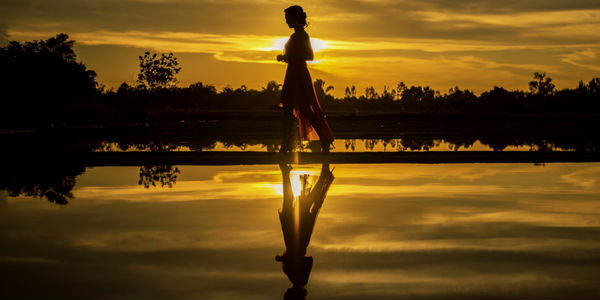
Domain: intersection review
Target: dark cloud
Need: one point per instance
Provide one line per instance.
(509, 6)
(188, 16)
(359, 18)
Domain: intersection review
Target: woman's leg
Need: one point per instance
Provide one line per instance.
(318, 121)
(288, 121)
(288, 193)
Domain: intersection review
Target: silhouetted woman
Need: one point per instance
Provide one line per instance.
(297, 223)
(298, 96)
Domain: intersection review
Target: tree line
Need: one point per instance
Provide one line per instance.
(45, 85)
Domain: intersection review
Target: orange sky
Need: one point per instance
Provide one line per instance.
(472, 44)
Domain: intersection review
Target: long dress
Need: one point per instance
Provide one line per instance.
(298, 91)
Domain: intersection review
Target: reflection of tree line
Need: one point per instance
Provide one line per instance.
(495, 143)
(51, 182)
(56, 182)
(165, 175)
(402, 143)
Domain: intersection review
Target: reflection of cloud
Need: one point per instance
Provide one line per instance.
(582, 178)
(32, 260)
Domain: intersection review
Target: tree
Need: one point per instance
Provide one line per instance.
(594, 87)
(347, 93)
(157, 72)
(204, 89)
(400, 88)
(541, 85)
(370, 93)
(39, 79)
(272, 87)
(387, 94)
(321, 90)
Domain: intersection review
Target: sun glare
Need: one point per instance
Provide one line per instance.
(279, 43)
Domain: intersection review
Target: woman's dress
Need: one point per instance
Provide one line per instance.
(298, 91)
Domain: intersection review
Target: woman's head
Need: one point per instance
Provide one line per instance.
(295, 16)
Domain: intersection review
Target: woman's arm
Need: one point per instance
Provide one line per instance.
(298, 48)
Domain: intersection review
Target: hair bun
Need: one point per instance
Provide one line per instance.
(297, 12)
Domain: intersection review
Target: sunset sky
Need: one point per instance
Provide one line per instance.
(440, 43)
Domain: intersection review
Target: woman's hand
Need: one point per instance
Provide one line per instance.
(280, 57)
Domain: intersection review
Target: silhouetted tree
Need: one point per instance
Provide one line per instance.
(460, 100)
(400, 89)
(370, 93)
(415, 96)
(203, 89)
(39, 79)
(272, 87)
(347, 93)
(157, 72)
(322, 91)
(594, 88)
(387, 95)
(541, 85)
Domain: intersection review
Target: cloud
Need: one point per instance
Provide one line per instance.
(3, 35)
(586, 58)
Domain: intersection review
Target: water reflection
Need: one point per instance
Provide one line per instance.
(174, 140)
(52, 182)
(389, 231)
(165, 175)
(55, 182)
(297, 216)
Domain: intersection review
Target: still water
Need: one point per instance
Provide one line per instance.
(382, 231)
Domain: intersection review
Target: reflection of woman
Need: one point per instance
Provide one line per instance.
(297, 223)
(298, 95)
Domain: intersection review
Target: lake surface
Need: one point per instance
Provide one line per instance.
(388, 231)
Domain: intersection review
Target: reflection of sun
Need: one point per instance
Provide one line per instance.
(295, 179)
(279, 43)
